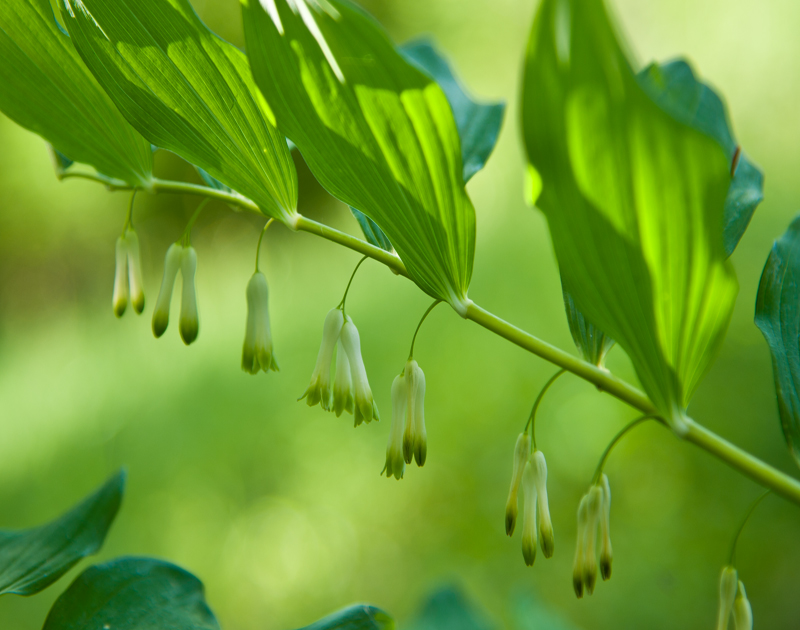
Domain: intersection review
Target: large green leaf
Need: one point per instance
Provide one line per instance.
(45, 87)
(675, 88)
(478, 123)
(358, 617)
(376, 132)
(32, 559)
(188, 91)
(132, 594)
(634, 199)
(778, 317)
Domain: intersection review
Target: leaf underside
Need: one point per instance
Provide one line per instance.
(592, 343)
(132, 594)
(778, 318)
(188, 91)
(376, 132)
(45, 87)
(32, 559)
(634, 199)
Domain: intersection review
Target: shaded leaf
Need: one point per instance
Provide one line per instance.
(32, 559)
(132, 594)
(634, 199)
(778, 317)
(372, 232)
(449, 609)
(376, 132)
(358, 617)
(676, 89)
(45, 87)
(187, 90)
(592, 343)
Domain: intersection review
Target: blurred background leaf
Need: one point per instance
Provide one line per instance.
(32, 559)
(280, 508)
(358, 617)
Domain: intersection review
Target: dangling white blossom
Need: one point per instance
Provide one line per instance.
(120, 298)
(189, 324)
(395, 462)
(521, 453)
(319, 391)
(728, 583)
(135, 271)
(342, 382)
(580, 541)
(742, 612)
(172, 265)
(546, 535)
(364, 407)
(594, 506)
(420, 433)
(529, 533)
(257, 349)
(606, 554)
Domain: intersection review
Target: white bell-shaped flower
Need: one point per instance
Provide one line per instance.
(135, 271)
(529, 532)
(257, 351)
(319, 391)
(606, 554)
(342, 382)
(522, 450)
(364, 407)
(420, 433)
(728, 583)
(172, 265)
(120, 298)
(188, 323)
(594, 506)
(742, 611)
(395, 462)
(546, 535)
(580, 541)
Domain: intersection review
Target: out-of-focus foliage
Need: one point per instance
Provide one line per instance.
(279, 508)
(633, 199)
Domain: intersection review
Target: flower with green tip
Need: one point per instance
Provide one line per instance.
(120, 297)
(319, 390)
(257, 351)
(364, 407)
(529, 533)
(135, 271)
(188, 323)
(742, 612)
(521, 452)
(595, 507)
(728, 583)
(395, 461)
(580, 540)
(172, 265)
(606, 554)
(546, 534)
(342, 382)
(415, 437)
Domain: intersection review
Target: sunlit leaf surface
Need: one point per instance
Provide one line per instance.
(634, 199)
(32, 559)
(188, 91)
(45, 87)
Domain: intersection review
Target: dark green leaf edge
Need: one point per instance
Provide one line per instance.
(356, 617)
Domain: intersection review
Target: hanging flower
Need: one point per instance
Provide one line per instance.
(606, 554)
(319, 391)
(742, 612)
(546, 535)
(172, 265)
(120, 298)
(188, 323)
(364, 407)
(728, 583)
(395, 462)
(135, 271)
(342, 382)
(521, 452)
(257, 349)
(415, 437)
(529, 534)
(580, 541)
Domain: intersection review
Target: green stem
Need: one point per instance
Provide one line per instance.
(748, 514)
(349, 282)
(537, 402)
(129, 217)
(759, 471)
(187, 233)
(414, 338)
(261, 238)
(599, 470)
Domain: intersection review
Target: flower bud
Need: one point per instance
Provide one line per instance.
(546, 535)
(529, 537)
(742, 612)
(521, 452)
(411, 388)
(319, 391)
(727, 592)
(364, 407)
(135, 271)
(606, 555)
(395, 463)
(172, 264)
(420, 434)
(188, 323)
(580, 538)
(257, 349)
(342, 382)
(594, 507)
(120, 297)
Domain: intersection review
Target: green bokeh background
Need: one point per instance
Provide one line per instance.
(280, 508)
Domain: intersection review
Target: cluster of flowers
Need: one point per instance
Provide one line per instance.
(180, 258)
(594, 511)
(408, 439)
(733, 600)
(128, 275)
(530, 471)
